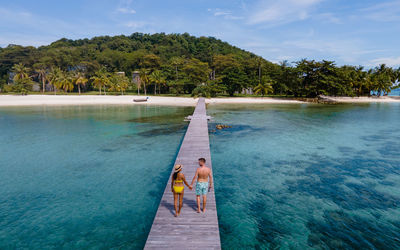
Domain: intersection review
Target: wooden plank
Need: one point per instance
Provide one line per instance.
(190, 230)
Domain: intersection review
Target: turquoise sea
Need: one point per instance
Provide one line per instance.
(287, 176)
(308, 176)
(84, 177)
(395, 92)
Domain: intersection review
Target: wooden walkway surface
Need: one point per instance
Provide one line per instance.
(190, 230)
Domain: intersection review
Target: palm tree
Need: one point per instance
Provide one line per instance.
(264, 87)
(176, 61)
(66, 82)
(101, 79)
(54, 78)
(119, 83)
(123, 84)
(157, 78)
(259, 64)
(42, 75)
(97, 82)
(80, 80)
(21, 72)
(144, 78)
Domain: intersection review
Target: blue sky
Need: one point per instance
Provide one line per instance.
(359, 32)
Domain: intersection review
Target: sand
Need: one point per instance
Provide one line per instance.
(31, 100)
(382, 99)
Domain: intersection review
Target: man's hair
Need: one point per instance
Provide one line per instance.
(202, 159)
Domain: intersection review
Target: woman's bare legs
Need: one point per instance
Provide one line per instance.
(176, 203)
(180, 202)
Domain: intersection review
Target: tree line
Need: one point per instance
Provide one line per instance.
(178, 64)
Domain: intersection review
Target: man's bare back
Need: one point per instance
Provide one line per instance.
(203, 173)
(204, 183)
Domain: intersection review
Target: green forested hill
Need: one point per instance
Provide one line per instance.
(178, 63)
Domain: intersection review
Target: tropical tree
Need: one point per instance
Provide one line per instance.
(101, 79)
(264, 87)
(42, 75)
(157, 78)
(20, 72)
(54, 78)
(210, 89)
(119, 83)
(176, 87)
(80, 80)
(144, 78)
(177, 61)
(235, 80)
(97, 82)
(23, 85)
(66, 81)
(222, 64)
(384, 78)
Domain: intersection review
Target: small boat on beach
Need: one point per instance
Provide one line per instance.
(140, 99)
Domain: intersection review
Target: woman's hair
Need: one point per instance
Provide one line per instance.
(175, 176)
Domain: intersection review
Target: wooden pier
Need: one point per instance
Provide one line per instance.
(190, 230)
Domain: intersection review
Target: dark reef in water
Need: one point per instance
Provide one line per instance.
(330, 182)
(164, 118)
(340, 230)
(163, 130)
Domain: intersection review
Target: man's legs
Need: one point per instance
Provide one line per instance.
(198, 203)
(204, 203)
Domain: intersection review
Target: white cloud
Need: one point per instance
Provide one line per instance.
(226, 14)
(389, 61)
(330, 18)
(222, 13)
(30, 28)
(383, 12)
(15, 16)
(281, 11)
(347, 51)
(126, 10)
(124, 7)
(135, 24)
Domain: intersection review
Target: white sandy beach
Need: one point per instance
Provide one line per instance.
(32, 100)
(383, 99)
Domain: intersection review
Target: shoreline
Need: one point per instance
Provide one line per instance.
(67, 100)
(365, 99)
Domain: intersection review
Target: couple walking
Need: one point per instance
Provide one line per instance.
(202, 187)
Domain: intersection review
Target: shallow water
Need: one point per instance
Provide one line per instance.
(287, 176)
(84, 177)
(307, 176)
(395, 92)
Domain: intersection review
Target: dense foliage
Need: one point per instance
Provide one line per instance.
(178, 64)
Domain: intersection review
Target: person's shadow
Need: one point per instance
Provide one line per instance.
(188, 202)
(169, 206)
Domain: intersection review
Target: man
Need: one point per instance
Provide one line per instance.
(202, 174)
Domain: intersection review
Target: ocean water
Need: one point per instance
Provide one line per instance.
(84, 177)
(307, 176)
(287, 176)
(395, 92)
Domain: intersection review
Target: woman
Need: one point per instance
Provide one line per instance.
(177, 187)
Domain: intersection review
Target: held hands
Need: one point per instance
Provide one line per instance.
(190, 187)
